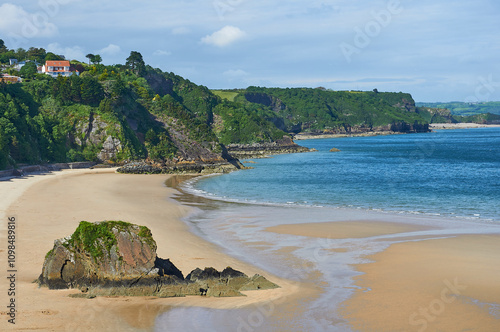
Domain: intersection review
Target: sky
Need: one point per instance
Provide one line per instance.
(437, 50)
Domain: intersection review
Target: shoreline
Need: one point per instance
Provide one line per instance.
(48, 207)
(301, 137)
(445, 126)
(432, 126)
(324, 262)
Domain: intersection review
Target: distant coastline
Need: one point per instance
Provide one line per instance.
(432, 126)
(299, 137)
(440, 126)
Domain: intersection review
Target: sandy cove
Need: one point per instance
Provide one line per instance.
(434, 284)
(50, 206)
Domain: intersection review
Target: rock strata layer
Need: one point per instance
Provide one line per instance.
(118, 258)
(144, 167)
(262, 150)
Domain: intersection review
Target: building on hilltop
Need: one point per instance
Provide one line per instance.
(58, 67)
(15, 64)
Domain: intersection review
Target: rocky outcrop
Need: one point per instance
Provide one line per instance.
(119, 258)
(96, 132)
(399, 127)
(148, 167)
(159, 84)
(262, 150)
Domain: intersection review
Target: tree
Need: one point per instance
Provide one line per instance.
(37, 54)
(3, 48)
(29, 70)
(96, 59)
(53, 57)
(21, 54)
(136, 63)
(90, 56)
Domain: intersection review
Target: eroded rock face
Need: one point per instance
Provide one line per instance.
(119, 258)
(262, 150)
(107, 252)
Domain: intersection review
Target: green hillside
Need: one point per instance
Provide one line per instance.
(318, 110)
(466, 109)
(132, 111)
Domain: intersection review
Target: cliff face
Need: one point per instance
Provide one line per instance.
(119, 258)
(276, 104)
(315, 111)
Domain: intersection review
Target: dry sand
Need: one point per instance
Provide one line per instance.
(48, 207)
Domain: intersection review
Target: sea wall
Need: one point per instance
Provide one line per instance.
(30, 169)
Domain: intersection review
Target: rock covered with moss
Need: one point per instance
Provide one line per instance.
(109, 252)
(119, 258)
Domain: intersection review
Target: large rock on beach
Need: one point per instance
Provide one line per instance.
(119, 258)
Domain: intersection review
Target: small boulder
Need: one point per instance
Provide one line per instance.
(334, 150)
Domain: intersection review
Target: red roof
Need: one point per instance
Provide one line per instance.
(58, 63)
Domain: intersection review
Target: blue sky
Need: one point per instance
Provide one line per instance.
(437, 50)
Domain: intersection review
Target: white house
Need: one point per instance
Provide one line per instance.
(15, 64)
(58, 67)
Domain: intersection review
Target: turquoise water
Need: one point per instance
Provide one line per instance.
(448, 180)
(450, 173)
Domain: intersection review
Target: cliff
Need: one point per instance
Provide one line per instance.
(119, 258)
(113, 114)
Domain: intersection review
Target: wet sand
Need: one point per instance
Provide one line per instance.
(433, 285)
(346, 229)
(48, 207)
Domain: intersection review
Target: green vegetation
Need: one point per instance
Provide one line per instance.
(466, 109)
(96, 237)
(316, 110)
(92, 237)
(133, 111)
(226, 94)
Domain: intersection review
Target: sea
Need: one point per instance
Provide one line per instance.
(446, 178)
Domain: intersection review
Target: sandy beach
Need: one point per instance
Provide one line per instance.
(50, 206)
(434, 285)
(425, 279)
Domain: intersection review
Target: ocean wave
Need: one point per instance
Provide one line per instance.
(191, 187)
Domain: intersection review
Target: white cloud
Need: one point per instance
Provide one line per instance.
(181, 31)
(224, 36)
(232, 73)
(20, 25)
(70, 53)
(161, 53)
(111, 49)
